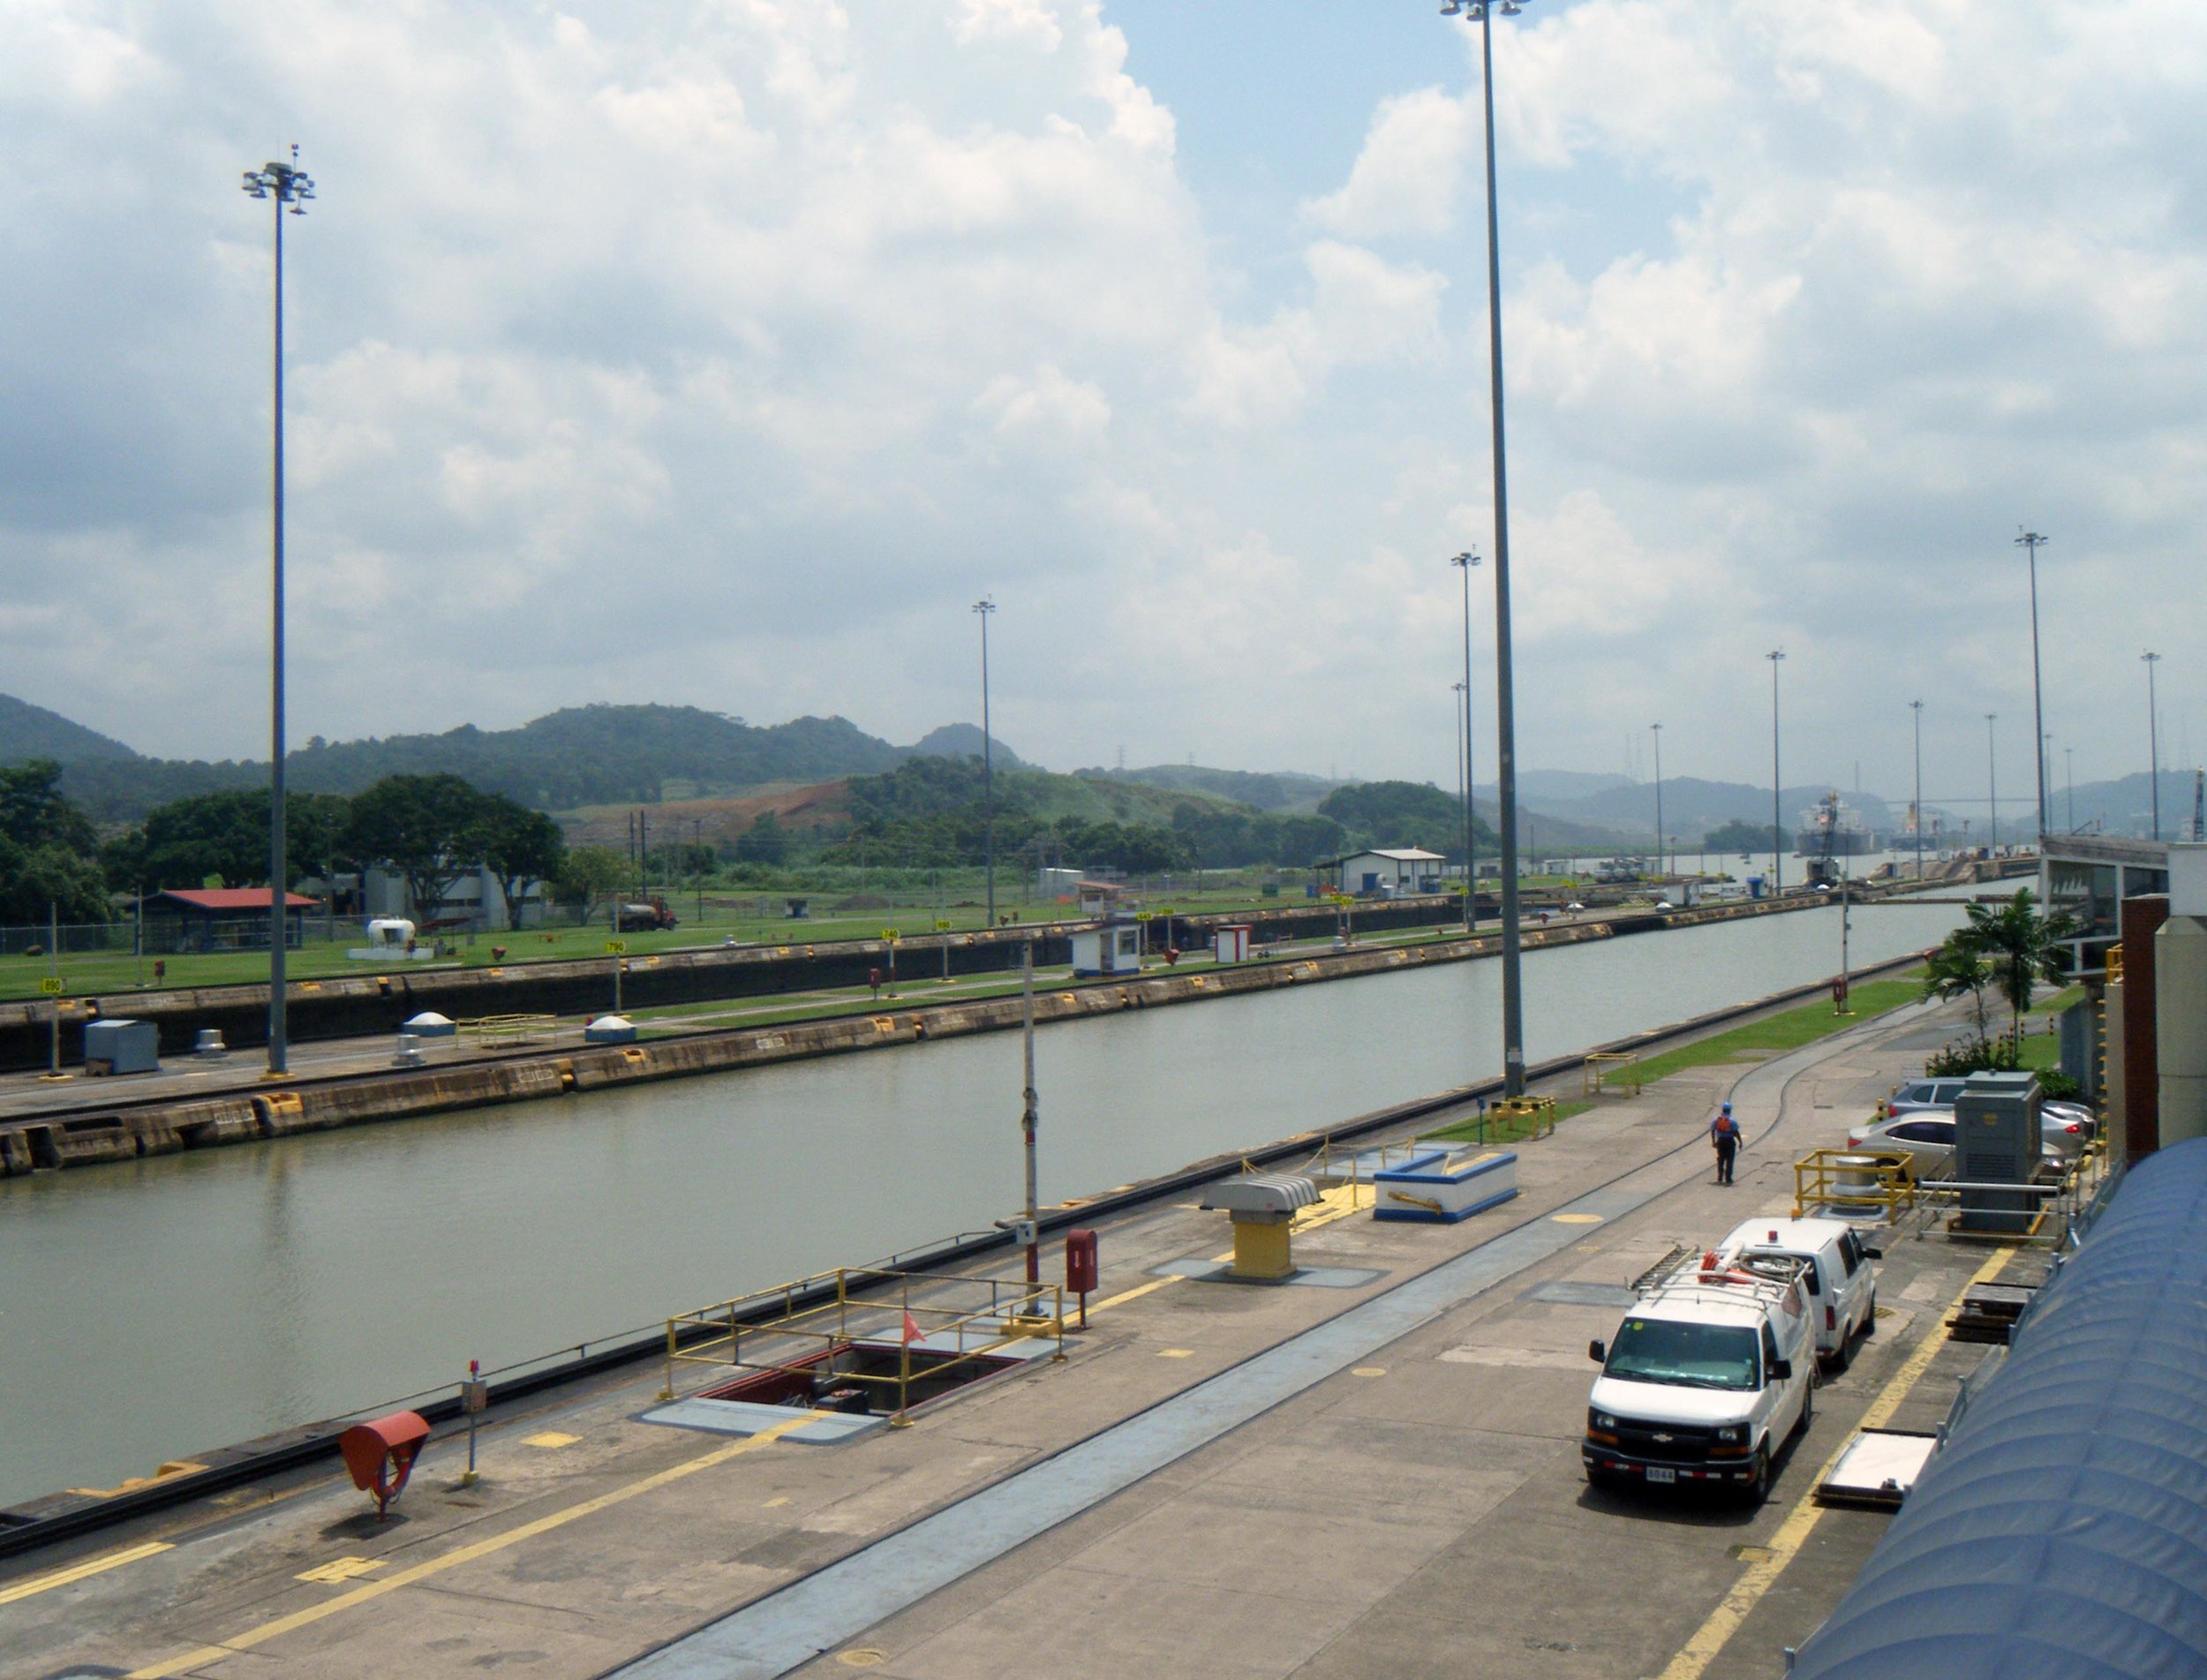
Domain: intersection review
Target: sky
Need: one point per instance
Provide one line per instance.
(725, 353)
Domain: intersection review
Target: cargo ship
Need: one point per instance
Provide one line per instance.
(1832, 828)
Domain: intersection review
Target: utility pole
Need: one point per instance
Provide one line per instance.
(1505, 691)
(1028, 1115)
(1463, 563)
(984, 607)
(2153, 736)
(1656, 729)
(1992, 785)
(2030, 541)
(1777, 784)
(282, 184)
(1916, 708)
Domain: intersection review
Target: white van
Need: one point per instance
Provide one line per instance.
(1843, 1284)
(1710, 1373)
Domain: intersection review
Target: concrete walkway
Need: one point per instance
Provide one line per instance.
(1380, 1480)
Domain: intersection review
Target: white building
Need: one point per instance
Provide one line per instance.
(477, 895)
(1386, 873)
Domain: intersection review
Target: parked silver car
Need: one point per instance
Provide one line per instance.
(1922, 1096)
(1928, 1135)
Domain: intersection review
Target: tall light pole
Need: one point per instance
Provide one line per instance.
(2068, 770)
(1777, 783)
(1463, 705)
(1463, 563)
(1991, 784)
(2153, 736)
(1657, 730)
(285, 185)
(1505, 703)
(1916, 708)
(982, 608)
(2030, 541)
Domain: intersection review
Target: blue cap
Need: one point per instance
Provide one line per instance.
(1728, 1108)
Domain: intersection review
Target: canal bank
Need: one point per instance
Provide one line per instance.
(508, 1235)
(106, 1132)
(377, 1002)
(1337, 1526)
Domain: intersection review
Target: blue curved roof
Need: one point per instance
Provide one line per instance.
(2061, 1533)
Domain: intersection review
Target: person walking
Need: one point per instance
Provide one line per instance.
(1724, 1135)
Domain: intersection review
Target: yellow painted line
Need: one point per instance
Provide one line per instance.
(1369, 1370)
(1576, 1218)
(33, 1585)
(1176, 1353)
(1724, 1621)
(422, 1572)
(1137, 1293)
(549, 1440)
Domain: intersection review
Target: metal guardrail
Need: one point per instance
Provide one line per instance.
(1879, 1179)
(492, 1031)
(993, 1310)
(1606, 1070)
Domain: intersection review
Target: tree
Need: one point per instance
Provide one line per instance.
(420, 826)
(1401, 813)
(1737, 836)
(47, 850)
(764, 841)
(2022, 947)
(587, 873)
(33, 813)
(1958, 970)
(516, 845)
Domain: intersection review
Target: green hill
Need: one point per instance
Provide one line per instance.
(29, 732)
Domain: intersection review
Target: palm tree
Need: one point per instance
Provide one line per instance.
(1958, 969)
(2021, 946)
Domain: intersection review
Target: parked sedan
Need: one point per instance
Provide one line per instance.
(1928, 1137)
(1929, 1096)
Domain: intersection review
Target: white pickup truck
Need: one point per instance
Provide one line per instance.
(1710, 1373)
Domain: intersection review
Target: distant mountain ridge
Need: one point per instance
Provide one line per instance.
(32, 732)
(593, 754)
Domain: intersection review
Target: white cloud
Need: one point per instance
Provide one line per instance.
(1408, 177)
(804, 322)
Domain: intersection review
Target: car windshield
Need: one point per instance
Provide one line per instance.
(1695, 1356)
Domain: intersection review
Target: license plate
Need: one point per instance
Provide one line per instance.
(1655, 1474)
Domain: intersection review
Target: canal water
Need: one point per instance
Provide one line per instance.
(192, 1300)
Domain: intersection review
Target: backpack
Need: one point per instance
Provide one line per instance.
(1725, 1126)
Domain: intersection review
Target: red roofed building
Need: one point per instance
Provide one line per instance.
(218, 918)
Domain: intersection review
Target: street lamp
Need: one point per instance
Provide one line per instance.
(2030, 541)
(1505, 704)
(1992, 786)
(2153, 736)
(1462, 707)
(2068, 774)
(982, 608)
(1463, 563)
(1917, 708)
(1658, 730)
(283, 186)
(1777, 783)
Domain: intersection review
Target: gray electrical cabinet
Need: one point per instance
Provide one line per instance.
(1996, 1142)
(122, 1047)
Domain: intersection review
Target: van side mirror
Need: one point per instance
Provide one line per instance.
(1868, 1253)
(1782, 1370)
(1597, 1352)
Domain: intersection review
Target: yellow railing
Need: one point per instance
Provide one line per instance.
(798, 1329)
(491, 1031)
(1606, 1070)
(1868, 1179)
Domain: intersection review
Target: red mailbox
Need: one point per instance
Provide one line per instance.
(380, 1454)
(1081, 1267)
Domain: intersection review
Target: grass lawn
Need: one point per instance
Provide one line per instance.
(1496, 1128)
(1786, 1031)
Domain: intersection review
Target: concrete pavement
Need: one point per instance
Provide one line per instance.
(1414, 1506)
